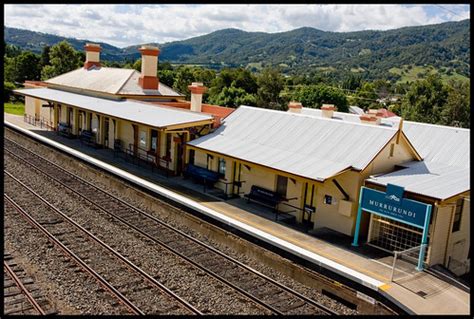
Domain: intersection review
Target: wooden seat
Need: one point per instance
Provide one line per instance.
(201, 174)
(264, 196)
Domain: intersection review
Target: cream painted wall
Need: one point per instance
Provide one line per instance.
(46, 113)
(459, 242)
(200, 159)
(293, 190)
(439, 234)
(327, 215)
(94, 124)
(64, 110)
(111, 133)
(30, 106)
(126, 133)
(149, 65)
(383, 162)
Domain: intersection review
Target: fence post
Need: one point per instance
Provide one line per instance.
(395, 255)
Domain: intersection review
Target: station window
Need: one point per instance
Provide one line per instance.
(457, 215)
(221, 167)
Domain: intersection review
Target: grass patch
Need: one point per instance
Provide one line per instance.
(16, 108)
(416, 72)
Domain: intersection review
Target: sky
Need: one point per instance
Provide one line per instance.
(125, 25)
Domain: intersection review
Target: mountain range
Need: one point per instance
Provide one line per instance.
(445, 45)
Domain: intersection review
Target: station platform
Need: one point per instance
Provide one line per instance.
(415, 292)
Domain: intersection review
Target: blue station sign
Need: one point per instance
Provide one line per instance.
(391, 204)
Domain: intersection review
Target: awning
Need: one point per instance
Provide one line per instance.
(134, 111)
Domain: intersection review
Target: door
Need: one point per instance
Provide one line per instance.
(179, 155)
(282, 184)
(105, 132)
(135, 139)
(308, 209)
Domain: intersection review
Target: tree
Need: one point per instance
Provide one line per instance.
(45, 56)
(8, 88)
(351, 82)
(11, 50)
(233, 97)
(137, 65)
(183, 78)
(270, 83)
(314, 96)
(63, 58)
(366, 97)
(166, 77)
(456, 111)
(27, 66)
(425, 100)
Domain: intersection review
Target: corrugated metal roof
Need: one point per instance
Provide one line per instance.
(307, 146)
(440, 144)
(139, 112)
(109, 80)
(435, 143)
(131, 87)
(427, 178)
(355, 110)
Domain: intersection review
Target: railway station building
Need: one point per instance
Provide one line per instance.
(316, 166)
(123, 109)
(318, 161)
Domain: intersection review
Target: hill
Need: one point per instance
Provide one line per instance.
(370, 53)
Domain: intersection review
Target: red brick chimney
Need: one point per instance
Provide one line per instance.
(92, 55)
(148, 79)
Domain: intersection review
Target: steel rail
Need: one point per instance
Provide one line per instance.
(110, 249)
(77, 259)
(208, 247)
(22, 288)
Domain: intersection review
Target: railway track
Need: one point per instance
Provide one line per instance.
(20, 295)
(254, 285)
(133, 287)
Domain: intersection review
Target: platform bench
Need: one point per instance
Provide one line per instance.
(64, 130)
(87, 137)
(202, 175)
(264, 196)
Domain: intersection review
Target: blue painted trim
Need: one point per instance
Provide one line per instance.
(424, 238)
(359, 214)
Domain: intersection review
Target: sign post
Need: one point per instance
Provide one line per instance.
(359, 213)
(392, 205)
(421, 257)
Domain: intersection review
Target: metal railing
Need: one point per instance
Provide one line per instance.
(400, 253)
(41, 122)
(137, 155)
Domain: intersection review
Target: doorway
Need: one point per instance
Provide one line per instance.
(282, 185)
(106, 132)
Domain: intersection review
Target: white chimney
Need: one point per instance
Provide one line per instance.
(92, 55)
(327, 110)
(197, 89)
(148, 79)
(295, 107)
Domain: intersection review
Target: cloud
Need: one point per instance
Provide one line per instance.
(124, 25)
